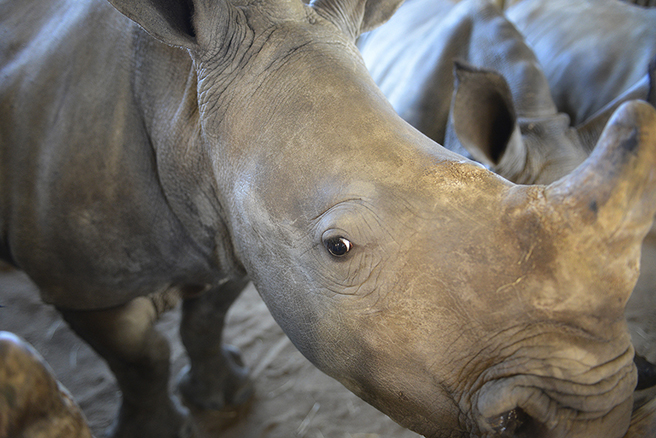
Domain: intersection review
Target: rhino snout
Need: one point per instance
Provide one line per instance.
(546, 406)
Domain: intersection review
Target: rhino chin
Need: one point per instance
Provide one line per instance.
(519, 407)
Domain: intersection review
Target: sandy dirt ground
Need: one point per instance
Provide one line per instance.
(293, 399)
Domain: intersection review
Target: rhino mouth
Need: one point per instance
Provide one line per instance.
(549, 406)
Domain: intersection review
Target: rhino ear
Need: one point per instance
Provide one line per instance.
(175, 22)
(167, 20)
(483, 119)
(356, 16)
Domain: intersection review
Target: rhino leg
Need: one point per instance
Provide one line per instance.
(139, 358)
(216, 379)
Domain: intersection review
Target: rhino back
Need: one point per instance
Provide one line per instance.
(592, 51)
(81, 209)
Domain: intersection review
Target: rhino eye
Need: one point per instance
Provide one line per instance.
(338, 246)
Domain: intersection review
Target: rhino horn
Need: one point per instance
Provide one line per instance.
(615, 186)
(609, 201)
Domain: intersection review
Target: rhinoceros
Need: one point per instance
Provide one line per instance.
(187, 147)
(592, 51)
(33, 404)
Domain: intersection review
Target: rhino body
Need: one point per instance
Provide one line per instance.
(218, 142)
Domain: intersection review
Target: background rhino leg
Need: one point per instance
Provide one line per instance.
(139, 358)
(216, 378)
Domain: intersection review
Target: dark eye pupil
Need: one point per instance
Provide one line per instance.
(338, 246)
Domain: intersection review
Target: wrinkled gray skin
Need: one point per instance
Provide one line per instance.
(253, 144)
(33, 404)
(501, 112)
(592, 51)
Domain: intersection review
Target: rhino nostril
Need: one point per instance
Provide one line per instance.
(505, 425)
(517, 424)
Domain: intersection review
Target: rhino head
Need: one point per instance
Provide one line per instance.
(454, 301)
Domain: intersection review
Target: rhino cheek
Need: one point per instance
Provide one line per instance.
(384, 372)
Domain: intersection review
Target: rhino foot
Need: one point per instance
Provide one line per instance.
(222, 387)
(173, 422)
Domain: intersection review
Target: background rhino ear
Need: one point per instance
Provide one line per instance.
(483, 119)
(170, 21)
(356, 16)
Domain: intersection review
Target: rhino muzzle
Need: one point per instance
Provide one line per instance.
(539, 406)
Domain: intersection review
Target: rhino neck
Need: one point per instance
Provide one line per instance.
(166, 87)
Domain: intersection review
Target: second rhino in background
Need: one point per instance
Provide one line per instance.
(499, 109)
